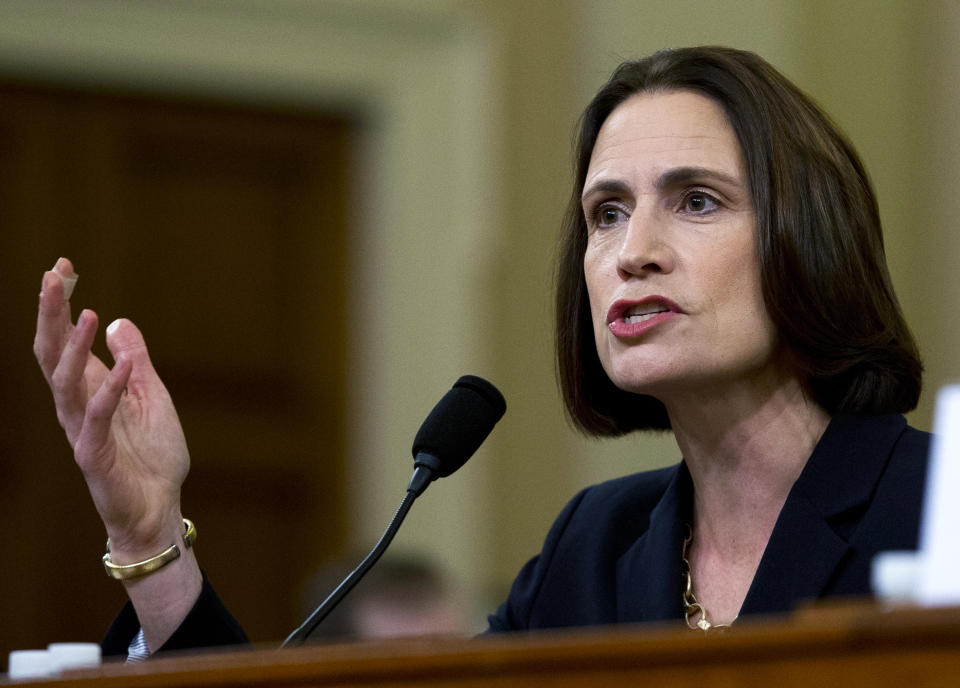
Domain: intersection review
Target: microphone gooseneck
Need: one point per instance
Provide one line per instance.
(451, 433)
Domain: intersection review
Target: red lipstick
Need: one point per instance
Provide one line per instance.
(629, 318)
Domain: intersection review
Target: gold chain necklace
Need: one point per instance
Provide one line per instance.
(691, 607)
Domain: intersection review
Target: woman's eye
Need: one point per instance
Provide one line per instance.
(608, 215)
(699, 202)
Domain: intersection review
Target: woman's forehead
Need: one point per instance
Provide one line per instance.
(651, 132)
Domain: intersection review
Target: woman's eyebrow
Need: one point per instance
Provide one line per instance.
(605, 186)
(680, 176)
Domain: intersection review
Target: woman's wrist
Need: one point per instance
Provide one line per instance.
(151, 564)
(146, 539)
(164, 598)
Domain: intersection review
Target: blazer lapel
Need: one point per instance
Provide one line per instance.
(648, 573)
(821, 512)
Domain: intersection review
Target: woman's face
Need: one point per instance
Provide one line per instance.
(671, 261)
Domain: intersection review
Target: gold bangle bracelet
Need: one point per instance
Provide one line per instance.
(148, 566)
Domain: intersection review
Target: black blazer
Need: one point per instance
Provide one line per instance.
(613, 554)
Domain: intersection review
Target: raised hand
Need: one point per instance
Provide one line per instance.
(127, 441)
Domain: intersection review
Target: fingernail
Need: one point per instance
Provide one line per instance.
(112, 327)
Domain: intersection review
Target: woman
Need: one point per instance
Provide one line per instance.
(723, 276)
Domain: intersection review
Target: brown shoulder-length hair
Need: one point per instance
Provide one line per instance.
(822, 265)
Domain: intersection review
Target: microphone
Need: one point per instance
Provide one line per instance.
(454, 430)
(451, 433)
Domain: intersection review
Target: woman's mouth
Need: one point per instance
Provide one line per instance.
(629, 318)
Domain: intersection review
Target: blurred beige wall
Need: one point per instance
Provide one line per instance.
(468, 111)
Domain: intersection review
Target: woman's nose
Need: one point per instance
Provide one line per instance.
(644, 249)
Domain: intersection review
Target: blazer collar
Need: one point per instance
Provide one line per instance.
(648, 573)
(821, 511)
(837, 481)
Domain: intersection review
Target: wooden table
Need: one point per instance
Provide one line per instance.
(849, 647)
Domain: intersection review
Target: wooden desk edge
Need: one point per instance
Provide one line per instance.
(807, 636)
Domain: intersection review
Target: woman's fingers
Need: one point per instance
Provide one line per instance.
(68, 380)
(53, 323)
(125, 341)
(63, 350)
(94, 435)
(53, 318)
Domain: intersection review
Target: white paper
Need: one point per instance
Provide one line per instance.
(940, 527)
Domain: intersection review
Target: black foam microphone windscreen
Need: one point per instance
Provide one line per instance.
(459, 423)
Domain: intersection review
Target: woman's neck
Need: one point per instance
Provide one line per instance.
(745, 448)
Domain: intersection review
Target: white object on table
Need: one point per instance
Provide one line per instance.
(30, 664)
(74, 655)
(939, 576)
